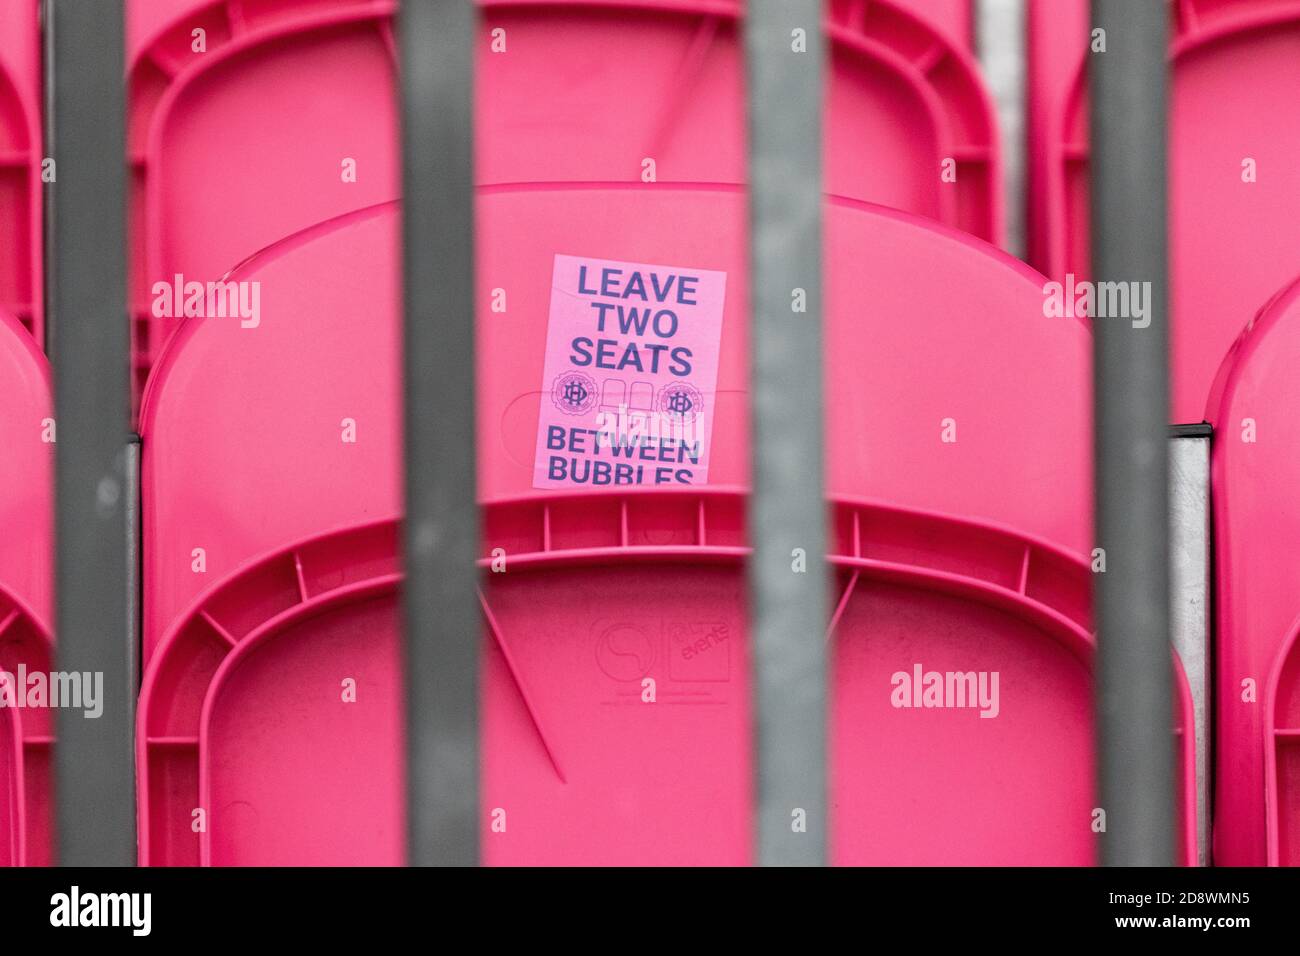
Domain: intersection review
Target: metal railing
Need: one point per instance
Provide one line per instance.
(1131, 400)
(787, 511)
(94, 759)
(95, 768)
(441, 531)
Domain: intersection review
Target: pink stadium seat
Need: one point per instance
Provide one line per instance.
(954, 18)
(1234, 186)
(271, 700)
(242, 117)
(253, 119)
(20, 165)
(26, 576)
(1256, 520)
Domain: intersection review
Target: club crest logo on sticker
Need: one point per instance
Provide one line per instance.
(681, 401)
(574, 393)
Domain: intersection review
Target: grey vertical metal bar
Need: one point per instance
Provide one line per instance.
(94, 758)
(1128, 124)
(1190, 584)
(787, 517)
(441, 534)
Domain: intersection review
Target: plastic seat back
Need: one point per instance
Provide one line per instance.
(1256, 467)
(1234, 188)
(273, 449)
(27, 434)
(254, 119)
(21, 165)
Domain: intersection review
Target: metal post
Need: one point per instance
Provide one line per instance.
(441, 534)
(1128, 122)
(94, 758)
(787, 574)
(1191, 586)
